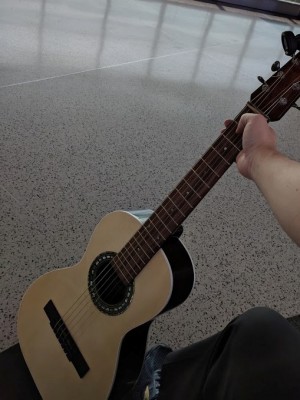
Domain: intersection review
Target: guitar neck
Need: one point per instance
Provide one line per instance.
(180, 203)
(272, 99)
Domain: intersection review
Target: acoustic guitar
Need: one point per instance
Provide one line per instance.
(83, 329)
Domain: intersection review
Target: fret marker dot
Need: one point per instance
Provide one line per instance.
(225, 148)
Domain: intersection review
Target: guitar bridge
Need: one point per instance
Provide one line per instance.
(66, 340)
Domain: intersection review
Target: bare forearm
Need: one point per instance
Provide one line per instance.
(278, 178)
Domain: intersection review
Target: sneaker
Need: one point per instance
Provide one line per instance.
(148, 383)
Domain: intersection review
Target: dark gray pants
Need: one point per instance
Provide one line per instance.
(256, 357)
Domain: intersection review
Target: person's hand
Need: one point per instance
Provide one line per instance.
(259, 141)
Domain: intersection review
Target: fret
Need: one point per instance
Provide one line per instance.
(121, 269)
(224, 144)
(130, 257)
(184, 198)
(132, 260)
(145, 241)
(165, 218)
(157, 230)
(211, 168)
(195, 185)
(161, 220)
(138, 247)
(207, 176)
(122, 272)
(122, 254)
(173, 211)
(220, 155)
(169, 214)
(228, 152)
(188, 189)
(185, 191)
(193, 170)
(149, 234)
(231, 142)
(198, 195)
(222, 147)
(177, 208)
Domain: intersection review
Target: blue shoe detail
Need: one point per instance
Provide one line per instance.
(150, 373)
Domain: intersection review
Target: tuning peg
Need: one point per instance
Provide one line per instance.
(261, 79)
(290, 43)
(275, 66)
(296, 106)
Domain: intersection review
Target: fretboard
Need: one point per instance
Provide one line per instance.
(166, 219)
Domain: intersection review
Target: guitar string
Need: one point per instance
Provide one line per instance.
(279, 79)
(226, 140)
(83, 319)
(121, 259)
(260, 95)
(225, 143)
(272, 107)
(87, 316)
(268, 110)
(171, 216)
(284, 91)
(134, 260)
(146, 253)
(102, 278)
(125, 260)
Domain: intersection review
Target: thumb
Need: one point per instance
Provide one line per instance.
(241, 162)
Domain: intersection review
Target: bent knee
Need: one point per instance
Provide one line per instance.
(262, 321)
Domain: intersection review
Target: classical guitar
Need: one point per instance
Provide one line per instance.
(83, 330)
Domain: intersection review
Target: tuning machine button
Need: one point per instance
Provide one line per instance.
(261, 79)
(275, 66)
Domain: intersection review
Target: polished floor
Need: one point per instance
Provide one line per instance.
(104, 105)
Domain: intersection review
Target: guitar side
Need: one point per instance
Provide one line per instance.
(98, 335)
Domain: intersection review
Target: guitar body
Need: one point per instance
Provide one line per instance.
(103, 338)
(83, 330)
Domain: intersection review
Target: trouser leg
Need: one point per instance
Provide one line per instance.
(256, 357)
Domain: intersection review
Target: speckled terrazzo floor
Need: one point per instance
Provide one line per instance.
(104, 105)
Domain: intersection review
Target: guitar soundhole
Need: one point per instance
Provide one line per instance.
(108, 292)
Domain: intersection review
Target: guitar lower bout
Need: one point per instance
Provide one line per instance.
(76, 324)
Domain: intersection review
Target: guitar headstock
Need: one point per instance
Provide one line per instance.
(280, 92)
